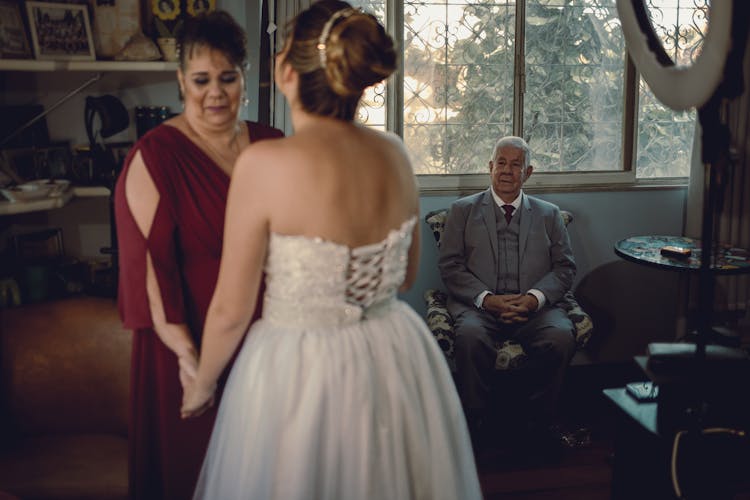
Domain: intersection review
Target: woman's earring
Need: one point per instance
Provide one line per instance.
(245, 100)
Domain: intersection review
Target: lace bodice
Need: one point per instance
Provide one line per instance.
(311, 281)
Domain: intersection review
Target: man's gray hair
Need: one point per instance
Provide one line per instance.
(515, 142)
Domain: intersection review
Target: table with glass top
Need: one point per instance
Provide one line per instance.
(645, 439)
(647, 250)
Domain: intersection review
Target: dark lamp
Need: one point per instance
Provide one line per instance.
(113, 116)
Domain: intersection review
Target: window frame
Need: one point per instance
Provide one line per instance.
(450, 183)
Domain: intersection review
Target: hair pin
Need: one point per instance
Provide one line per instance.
(326, 31)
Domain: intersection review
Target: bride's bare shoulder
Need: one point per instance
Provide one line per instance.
(261, 152)
(269, 161)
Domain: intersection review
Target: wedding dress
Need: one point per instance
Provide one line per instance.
(339, 390)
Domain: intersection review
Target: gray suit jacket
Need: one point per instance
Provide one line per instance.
(469, 250)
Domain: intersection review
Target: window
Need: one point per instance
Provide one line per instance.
(665, 137)
(551, 71)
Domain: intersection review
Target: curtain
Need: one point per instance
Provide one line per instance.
(280, 13)
(732, 292)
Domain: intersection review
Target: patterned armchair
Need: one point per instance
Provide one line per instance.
(510, 354)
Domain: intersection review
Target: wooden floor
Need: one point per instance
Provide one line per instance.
(583, 473)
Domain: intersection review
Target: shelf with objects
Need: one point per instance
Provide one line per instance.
(50, 200)
(107, 36)
(38, 174)
(49, 178)
(70, 112)
(52, 178)
(91, 66)
(26, 134)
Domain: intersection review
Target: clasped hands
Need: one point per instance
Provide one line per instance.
(511, 308)
(195, 399)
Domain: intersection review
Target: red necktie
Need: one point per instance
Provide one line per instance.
(508, 212)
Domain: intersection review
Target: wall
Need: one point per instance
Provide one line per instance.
(631, 304)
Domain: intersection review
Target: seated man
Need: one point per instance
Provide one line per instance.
(506, 260)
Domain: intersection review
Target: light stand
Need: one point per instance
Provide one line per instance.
(704, 389)
(715, 155)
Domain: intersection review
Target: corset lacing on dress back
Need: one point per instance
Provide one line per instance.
(315, 282)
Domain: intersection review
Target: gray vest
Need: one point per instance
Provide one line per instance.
(507, 249)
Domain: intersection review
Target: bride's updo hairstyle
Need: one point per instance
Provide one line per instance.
(338, 52)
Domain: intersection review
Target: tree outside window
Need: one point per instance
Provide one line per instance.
(464, 85)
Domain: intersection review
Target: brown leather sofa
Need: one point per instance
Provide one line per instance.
(64, 381)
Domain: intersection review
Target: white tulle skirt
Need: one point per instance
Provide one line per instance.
(362, 411)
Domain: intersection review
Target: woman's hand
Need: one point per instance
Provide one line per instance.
(188, 363)
(197, 399)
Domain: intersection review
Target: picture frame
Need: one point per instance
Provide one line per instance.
(114, 24)
(14, 43)
(60, 31)
(52, 162)
(166, 10)
(198, 7)
(45, 162)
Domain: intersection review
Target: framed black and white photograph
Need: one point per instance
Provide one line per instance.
(13, 41)
(60, 31)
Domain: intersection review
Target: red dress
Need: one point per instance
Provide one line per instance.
(166, 452)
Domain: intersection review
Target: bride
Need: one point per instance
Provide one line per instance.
(339, 390)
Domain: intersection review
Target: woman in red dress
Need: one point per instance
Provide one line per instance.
(169, 205)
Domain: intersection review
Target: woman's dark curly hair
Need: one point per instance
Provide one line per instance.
(216, 30)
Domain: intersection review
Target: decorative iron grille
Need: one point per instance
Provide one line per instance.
(459, 94)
